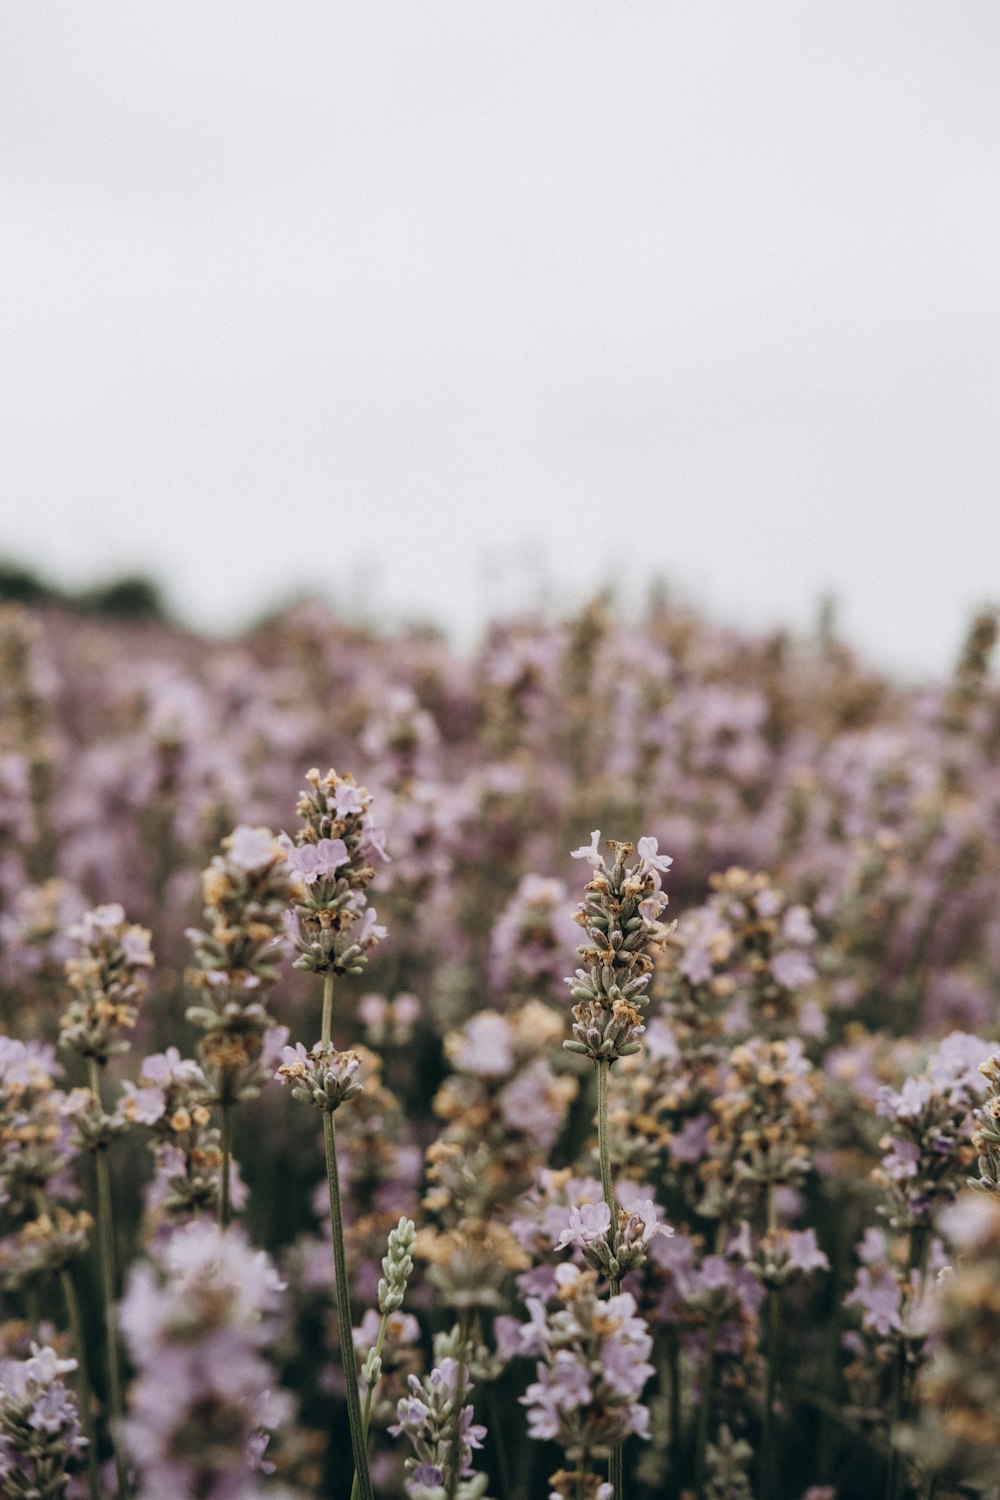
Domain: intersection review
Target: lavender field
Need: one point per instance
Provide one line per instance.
(589, 1088)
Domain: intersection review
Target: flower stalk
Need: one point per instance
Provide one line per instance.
(106, 1255)
(359, 1444)
(86, 1401)
(616, 1473)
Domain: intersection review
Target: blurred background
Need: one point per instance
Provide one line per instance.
(448, 309)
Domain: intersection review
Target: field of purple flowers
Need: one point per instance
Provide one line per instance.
(383, 1131)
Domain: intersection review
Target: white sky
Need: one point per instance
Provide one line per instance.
(433, 305)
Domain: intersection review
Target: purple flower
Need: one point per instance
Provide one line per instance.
(792, 968)
(251, 848)
(135, 944)
(908, 1104)
(196, 1321)
(487, 1047)
(40, 1434)
(954, 1067)
(145, 1105)
(587, 1225)
(347, 799)
(797, 927)
(589, 851)
(879, 1300)
(426, 1416)
(319, 861)
(650, 861)
(804, 1253)
(570, 1380)
(371, 932)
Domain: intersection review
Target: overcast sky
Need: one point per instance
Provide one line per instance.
(435, 305)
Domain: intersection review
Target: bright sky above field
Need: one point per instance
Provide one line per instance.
(442, 306)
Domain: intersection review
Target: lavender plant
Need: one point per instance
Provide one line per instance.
(837, 879)
(246, 891)
(108, 981)
(333, 930)
(41, 1440)
(203, 1402)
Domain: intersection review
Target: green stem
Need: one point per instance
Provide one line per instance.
(455, 1452)
(326, 1030)
(673, 1355)
(616, 1472)
(768, 1456)
(86, 1394)
(603, 1070)
(367, 1413)
(226, 1137)
(705, 1407)
(106, 1242)
(493, 1409)
(917, 1257)
(344, 1321)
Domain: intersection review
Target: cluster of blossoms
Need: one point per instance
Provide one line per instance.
(612, 1252)
(620, 915)
(986, 1135)
(196, 1319)
(927, 1155)
(709, 1303)
(533, 939)
(172, 1097)
(331, 927)
(108, 982)
(958, 1436)
(41, 1441)
(502, 1109)
(321, 1075)
(444, 1435)
(39, 1234)
(765, 1120)
(743, 963)
(246, 890)
(930, 1145)
(593, 1363)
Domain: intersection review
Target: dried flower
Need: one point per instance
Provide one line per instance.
(322, 1076)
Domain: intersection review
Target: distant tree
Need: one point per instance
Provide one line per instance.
(131, 597)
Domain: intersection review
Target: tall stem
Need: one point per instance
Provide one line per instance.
(705, 1407)
(616, 1471)
(106, 1242)
(226, 1138)
(344, 1321)
(768, 1456)
(83, 1374)
(674, 1358)
(326, 1027)
(366, 1415)
(603, 1069)
(917, 1258)
(461, 1388)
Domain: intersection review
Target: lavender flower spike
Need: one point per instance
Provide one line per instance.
(620, 916)
(41, 1441)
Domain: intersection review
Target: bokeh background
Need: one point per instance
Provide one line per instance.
(443, 309)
